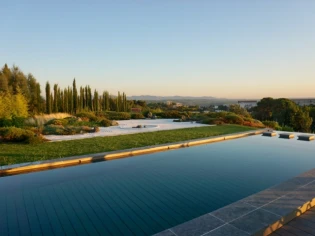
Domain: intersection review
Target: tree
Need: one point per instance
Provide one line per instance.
(48, 102)
(237, 109)
(55, 106)
(264, 108)
(75, 96)
(4, 87)
(302, 121)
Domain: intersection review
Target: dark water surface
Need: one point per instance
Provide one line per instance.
(146, 194)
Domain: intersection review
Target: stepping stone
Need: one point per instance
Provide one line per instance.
(269, 134)
(306, 137)
(286, 135)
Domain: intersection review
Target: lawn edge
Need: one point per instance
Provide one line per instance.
(106, 156)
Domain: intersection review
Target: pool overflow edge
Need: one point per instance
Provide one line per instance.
(106, 156)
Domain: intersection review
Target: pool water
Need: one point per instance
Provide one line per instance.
(146, 194)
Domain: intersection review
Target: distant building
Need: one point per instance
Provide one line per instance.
(247, 104)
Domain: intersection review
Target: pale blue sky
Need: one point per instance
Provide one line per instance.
(223, 48)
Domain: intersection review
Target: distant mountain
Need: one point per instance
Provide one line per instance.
(163, 98)
(186, 100)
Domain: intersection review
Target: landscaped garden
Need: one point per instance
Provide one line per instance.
(12, 153)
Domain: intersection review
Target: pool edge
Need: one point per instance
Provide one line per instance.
(106, 156)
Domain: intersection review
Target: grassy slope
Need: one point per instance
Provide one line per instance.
(11, 153)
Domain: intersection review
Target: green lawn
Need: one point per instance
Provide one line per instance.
(12, 153)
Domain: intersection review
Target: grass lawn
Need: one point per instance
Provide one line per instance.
(13, 153)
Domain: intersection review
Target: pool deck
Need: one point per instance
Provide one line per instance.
(259, 214)
(303, 225)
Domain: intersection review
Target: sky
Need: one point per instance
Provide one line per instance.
(225, 48)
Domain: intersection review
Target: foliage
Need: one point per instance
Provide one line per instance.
(40, 120)
(287, 128)
(105, 122)
(58, 122)
(112, 115)
(15, 121)
(15, 153)
(285, 112)
(12, 105)
(68, 130)
(137, 116)
(237, 109)
(13, 134)
(90, 115)
(272, 124)
(171, 114)
(233, 119)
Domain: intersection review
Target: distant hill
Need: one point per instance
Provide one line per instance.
(159, 98)
(186, 100)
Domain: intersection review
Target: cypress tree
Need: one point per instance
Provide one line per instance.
(75, 96)
(66, 100)
(55, 106)
(48, 103)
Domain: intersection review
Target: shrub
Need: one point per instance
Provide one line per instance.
(112, 115)
(170, 114)
(272, 124)
(233, 119)
(105, 122)
(212, 121)
(62, 122)
(137, 116)
(54, 130)
(13, 134)
(89, 115)
(287, 128)
(14, 121)
(68, 130)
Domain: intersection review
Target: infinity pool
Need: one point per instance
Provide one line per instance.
(146, 194)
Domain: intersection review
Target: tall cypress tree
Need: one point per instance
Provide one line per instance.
(55, 106)
(48, 102)
(75, 96)
(66, 101)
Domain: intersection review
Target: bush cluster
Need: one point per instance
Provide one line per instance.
(137, 116)
(88, 116)
(112, 115)
(13, 134)
(272, 124)
(14, 121)
(68, 130)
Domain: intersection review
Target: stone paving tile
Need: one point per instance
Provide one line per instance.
(255, 221)
(271, 194)
(232, 211)
(227, 230)
(262, 198)
(285, 205)
(165, 233)
(198, 226)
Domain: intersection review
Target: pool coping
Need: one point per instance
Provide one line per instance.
(111, 155)
(259, 214)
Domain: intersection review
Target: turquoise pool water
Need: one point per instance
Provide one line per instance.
(146, 194)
